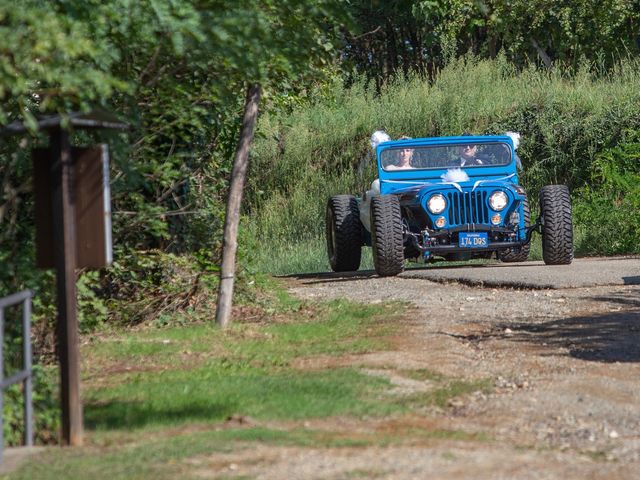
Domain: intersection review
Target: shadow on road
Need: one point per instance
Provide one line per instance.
(621, 298)
(331, 277)
(525, 266)
(610, 337)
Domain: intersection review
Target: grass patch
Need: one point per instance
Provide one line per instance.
(158, 458)
(309, 256)
(423, 374)
(335, 328)
(155, 378)
(362, 473)
(213, 394)
(441, 396)
(172, 455)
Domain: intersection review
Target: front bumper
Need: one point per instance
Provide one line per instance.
(446, 240)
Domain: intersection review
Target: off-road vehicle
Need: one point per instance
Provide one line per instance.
(455, 198)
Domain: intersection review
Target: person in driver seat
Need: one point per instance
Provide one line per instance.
(468, 155)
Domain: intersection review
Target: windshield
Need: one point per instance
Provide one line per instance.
(446, 156)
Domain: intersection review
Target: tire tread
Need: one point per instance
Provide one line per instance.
(348, 233)
(557, 228)
(387, 236)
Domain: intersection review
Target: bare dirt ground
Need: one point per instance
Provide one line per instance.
(563, 365)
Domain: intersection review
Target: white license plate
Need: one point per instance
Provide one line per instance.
(473, 240)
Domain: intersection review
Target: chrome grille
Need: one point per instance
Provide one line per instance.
(467, 207)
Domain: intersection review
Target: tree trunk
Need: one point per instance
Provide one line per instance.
(238, 174)
(543, 55)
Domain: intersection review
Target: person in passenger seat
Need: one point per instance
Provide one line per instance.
(404, 156)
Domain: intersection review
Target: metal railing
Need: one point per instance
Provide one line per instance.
(23, 375)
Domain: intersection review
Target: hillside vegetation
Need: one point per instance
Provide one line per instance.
(579, 129)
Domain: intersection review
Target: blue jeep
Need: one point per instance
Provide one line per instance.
(449, 197)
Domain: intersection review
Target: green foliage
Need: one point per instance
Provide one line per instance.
(390, 38)
(46, 410)
(606, 208)
(177, 71)
(564, 31)
(92, 308)
(154, 286)
(49, 61)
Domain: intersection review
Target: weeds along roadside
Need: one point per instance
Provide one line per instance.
(567, 122)
(169, 390)
(142, 289)
(157, 400)
(270, 331)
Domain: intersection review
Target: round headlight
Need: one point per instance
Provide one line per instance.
(436, 204)
(498, 200)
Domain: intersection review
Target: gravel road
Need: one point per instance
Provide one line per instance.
(560, 345)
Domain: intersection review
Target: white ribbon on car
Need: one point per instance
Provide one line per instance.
(454, 184)
(421, 184)
(479, 182)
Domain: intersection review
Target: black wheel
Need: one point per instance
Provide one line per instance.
(521, 254)
(344, 233)
(557, 228)
(386, 235)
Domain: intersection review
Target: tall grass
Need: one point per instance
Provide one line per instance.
(301, 159)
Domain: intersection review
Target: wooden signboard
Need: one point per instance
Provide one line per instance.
(92, 198)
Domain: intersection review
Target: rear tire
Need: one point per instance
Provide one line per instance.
(344, 233)
(387, 239)
(557, 225)
(514, 255)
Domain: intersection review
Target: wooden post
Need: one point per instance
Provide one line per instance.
(238, 174)
(64, 241)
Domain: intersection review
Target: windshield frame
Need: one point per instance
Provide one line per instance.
(408, 144)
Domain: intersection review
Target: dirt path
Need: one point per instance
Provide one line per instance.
(564, 370)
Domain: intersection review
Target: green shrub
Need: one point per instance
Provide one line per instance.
(155, 286)
(607, 208)
(46, 409)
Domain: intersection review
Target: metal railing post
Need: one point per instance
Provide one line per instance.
(25, 375)
(28, 382)
(1, 383)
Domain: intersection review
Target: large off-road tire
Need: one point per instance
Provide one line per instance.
(344, 233)
(557, 225)
(387, 235)
(519, 255)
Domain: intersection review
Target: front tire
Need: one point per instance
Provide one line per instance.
(513, 255)
(387, 238)
(557, 225)
(343, 233)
